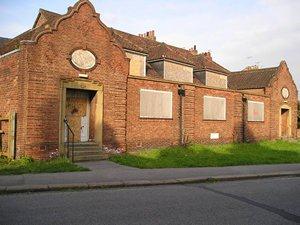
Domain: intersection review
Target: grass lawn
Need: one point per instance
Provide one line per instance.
(266, 152)
(28, 165)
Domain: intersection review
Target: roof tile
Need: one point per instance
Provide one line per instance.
(3, 41)
(251, 79)
(128, 41)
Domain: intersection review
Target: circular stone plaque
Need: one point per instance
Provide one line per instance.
(285, 93)
(83, 59)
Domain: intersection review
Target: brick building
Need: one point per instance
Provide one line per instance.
(118, 90)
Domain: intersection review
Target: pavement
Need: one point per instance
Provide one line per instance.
(273, 201)
(106, 174)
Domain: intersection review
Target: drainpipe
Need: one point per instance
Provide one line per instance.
(181, 93)
(1, 137)
(244, 99)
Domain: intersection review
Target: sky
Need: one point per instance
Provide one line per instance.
(238, 33)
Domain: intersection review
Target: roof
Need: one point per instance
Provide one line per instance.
(3, 40)
(251, 79)
(163, 51)
(132, 42)
(247, 79)
(202, 62)
(50, 19)
(155, 50)
(151, 72)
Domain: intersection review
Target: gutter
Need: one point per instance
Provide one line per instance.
(9, 53)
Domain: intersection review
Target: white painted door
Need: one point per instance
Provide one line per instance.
(84, 136)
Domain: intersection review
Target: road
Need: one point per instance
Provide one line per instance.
(264, 201)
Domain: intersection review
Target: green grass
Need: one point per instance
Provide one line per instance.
(28, 165)
(266, 152)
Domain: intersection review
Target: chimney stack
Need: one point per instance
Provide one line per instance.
(149, 35)
(207, 55)
(254, 67)
(194, 50)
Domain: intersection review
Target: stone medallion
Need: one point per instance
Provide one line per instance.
(285, 93)
(83, 59)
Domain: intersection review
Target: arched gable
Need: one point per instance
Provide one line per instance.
(47, 29)
(283, 67)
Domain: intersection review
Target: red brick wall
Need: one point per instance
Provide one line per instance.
(146, 133)
(232, 129)
(283, 79)
(9, 71)
(9, 66)
(256, 131)
(203, 128)
(260, 91)
(48, 65)
(30, 84)
(189, 113)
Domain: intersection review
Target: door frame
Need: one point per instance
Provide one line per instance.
(81, 84)
(289, 119)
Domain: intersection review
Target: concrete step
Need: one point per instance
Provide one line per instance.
(85, 144)
(98, 157)
(88, 152)
(83, 148)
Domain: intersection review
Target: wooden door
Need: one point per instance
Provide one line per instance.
(284, 122)
(77, 113)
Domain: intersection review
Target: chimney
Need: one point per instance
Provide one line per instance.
(207, 55)
(149, 35)
(254, 67)
(194, 50)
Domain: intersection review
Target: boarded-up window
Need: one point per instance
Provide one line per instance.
(216, 80)
(214, 108)
(256, 111)
(155, 104)
(137, 64)
(177, 72)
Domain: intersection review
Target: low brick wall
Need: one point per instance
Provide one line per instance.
(148, 133)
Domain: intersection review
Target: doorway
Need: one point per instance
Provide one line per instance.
(78, 114)
(82, 106)
(285, 122)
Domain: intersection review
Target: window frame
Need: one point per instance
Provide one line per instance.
(221, 76)
(158, 118)
(225, 108)
(263, 112)
(133, 53)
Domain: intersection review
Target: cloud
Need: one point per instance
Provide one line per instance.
(239, 33)
(12, 29)
(263, 32)
(269, 36)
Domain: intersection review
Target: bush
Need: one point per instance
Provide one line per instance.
(26, 159)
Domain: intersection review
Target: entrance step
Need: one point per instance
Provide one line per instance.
(79, 144)
(89, 151)
(83, 148)
(98, 157)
